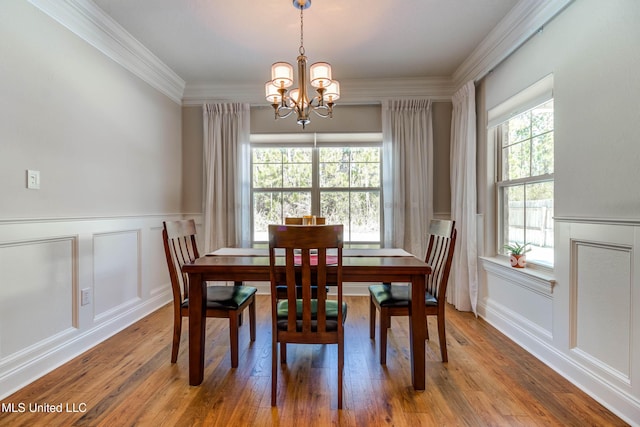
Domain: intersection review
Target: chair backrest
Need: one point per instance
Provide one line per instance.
(312, 272)
(293, 220)
(180, 248)
(442, 242)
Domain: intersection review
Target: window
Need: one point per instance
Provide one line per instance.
(525, 182)
(340, 181)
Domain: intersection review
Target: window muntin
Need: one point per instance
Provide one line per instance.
(525, 185)
(341, 183)
(282, 167)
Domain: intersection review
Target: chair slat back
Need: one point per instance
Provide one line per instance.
(304, 239)
(290, 220)
(180, 248)
(293, 220)
(442, 241)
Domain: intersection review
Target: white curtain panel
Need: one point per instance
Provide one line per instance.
(463, 284)
(226, 176)
(407, 173)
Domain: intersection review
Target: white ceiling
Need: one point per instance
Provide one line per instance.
(223, 49)
(232, 42)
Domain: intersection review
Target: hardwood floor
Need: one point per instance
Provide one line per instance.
(129, 380)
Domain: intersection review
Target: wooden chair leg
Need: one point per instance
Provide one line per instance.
(442, 334)
(274, 371)
(234, 318)
(340, 371)
(236, 283)
(252, 320)
(385, 319)
(372, 319)
(177, 329)
(426, 329)
(283, 353)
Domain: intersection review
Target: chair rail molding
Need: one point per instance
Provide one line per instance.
(597, 220)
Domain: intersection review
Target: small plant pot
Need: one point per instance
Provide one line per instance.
(518, 261)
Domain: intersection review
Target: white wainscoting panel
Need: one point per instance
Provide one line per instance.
(46, 263)
(601, 289)
(594, 339)
(511, 298)
(36, 300)
(116, 271)
(158, 271)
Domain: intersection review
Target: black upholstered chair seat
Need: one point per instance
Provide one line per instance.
(396, 295)
(226, 297)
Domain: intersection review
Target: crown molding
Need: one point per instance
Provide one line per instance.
(91, 24)
(522, 22)
(376, 90)
(357, 91)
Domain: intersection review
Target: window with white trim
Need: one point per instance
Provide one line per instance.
(334, 176)
(525, 182)
(522, 129)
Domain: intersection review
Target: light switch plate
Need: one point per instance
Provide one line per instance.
(85, 296)
(33, 179)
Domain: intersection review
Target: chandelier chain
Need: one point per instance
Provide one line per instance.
(301, 50)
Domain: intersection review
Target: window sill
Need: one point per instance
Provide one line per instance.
(532, 278)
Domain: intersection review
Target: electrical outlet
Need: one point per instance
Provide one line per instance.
(33, 179)
(85, 296)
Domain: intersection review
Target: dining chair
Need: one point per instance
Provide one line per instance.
(307, 316)
(293, 220)
(221, 301)
(290, 220)
(395, 299)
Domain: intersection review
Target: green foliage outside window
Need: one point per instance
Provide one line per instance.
(526, 184)
(347, 190)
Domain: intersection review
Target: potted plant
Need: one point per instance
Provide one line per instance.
(517, 253)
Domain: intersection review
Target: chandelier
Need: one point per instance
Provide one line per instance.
(297, 100)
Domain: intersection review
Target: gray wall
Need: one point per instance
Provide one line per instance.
(108, 148)
(593, 53)
(441, 153)
(105, 142)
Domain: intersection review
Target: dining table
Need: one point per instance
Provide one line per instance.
(358, 265)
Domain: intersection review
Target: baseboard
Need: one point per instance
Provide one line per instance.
(609, 395)
(46, 362)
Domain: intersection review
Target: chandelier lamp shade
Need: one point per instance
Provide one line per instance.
(287, 101)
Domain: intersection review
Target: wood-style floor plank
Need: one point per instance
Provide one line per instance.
(129, 381)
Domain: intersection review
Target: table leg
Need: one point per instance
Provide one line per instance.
(418, 332)
(197, 322)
